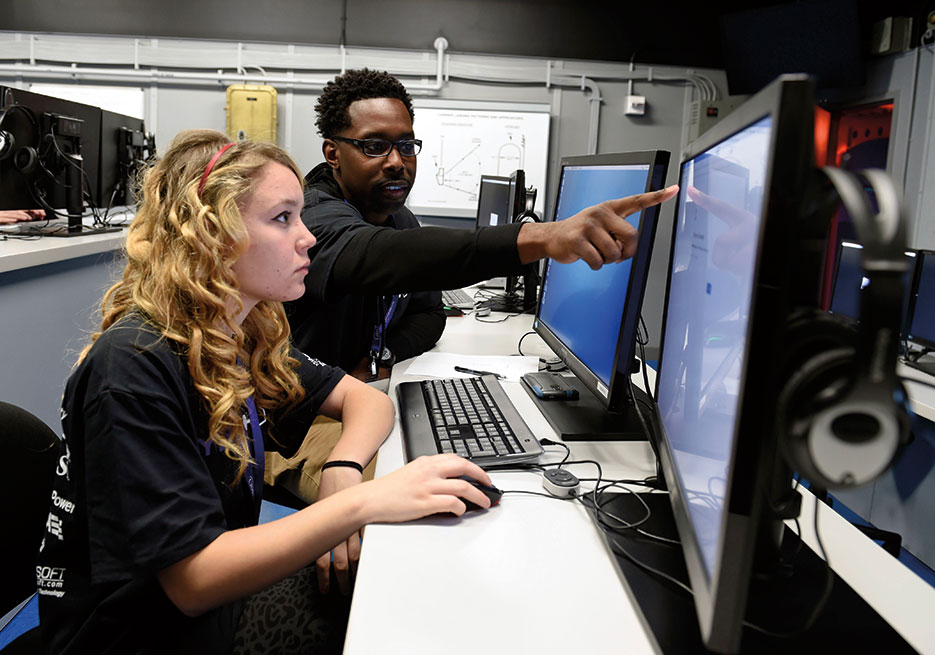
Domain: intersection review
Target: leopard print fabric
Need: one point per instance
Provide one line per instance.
(293, 617)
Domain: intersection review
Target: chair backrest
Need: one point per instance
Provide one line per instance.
(30, 451)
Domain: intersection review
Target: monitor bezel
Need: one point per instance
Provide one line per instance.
(720, 601)
(615, 398)
(517, 197)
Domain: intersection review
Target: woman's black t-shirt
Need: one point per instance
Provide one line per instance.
(138, 489)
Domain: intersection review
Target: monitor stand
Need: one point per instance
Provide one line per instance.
(846, 625)
(586, 419)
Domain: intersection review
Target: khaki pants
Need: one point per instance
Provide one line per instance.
(301, 473)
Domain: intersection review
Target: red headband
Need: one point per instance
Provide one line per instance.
(210, 167)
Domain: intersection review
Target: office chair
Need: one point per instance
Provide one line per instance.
(31, 450)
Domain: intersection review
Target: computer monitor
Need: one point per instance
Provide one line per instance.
(732, 256)
(51, 157)
(516, 196)
(514, 206)
(493, 201)
(849, 281)
(124, 149)
(589, 318)
(516, 203)
(921, 321)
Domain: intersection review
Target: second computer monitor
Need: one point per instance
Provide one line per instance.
(589, 318)
(849, 281)
(493, 201)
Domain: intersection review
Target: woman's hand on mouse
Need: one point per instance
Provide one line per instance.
(427, 485)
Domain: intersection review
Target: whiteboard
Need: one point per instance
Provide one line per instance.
(463, 140)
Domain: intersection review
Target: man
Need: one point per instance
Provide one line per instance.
(371, 294)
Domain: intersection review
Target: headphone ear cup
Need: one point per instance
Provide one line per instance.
(819, 370)
(7, 143)
(25, 160)
(820, 381)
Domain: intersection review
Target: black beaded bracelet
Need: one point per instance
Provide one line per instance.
(342, 462)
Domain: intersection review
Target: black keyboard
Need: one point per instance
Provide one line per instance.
(471, 417)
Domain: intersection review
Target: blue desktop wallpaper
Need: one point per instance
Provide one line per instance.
(582, 307)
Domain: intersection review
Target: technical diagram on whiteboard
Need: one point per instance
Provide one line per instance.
(464, 171)
(460, 145)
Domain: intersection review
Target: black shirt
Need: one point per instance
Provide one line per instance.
(356, 267)
(138, 489)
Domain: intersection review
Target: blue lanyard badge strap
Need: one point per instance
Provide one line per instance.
(254, 472)
(376, 346)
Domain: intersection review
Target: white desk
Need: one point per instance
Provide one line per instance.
(446, 585)
(922, 397)
(18, 253)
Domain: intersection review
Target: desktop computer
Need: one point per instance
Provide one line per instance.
(50, 157)
(62, 156)
(589, 318)
(519, 204)
(125, 147)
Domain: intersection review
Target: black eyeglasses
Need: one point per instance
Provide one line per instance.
(382, 147)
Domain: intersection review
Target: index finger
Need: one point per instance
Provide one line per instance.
(631, 204)
(456, 465)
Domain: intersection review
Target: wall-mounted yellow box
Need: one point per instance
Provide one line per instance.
(251, 112)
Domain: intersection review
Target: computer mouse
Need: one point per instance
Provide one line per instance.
(492, 493)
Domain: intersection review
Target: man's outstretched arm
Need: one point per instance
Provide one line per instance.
(599, 234)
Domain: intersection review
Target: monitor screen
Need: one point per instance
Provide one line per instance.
(740, 185)
(589, 317)
(493, 201)
(922, 321)
(849, 281)
(713, 271)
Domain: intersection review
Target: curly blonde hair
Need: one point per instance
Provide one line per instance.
(179, 252)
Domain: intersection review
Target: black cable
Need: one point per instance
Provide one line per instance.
(549, 442)
(519, 345)
(484, 319)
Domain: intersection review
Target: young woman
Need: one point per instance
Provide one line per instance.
(152, 541)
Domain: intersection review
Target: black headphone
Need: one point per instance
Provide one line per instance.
(25, 157)
(841, 413)
(528, 214)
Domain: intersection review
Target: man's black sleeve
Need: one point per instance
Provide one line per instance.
(383, 260)
(419, 328)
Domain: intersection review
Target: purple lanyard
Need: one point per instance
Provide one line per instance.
(377, 346)
(254, 472)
